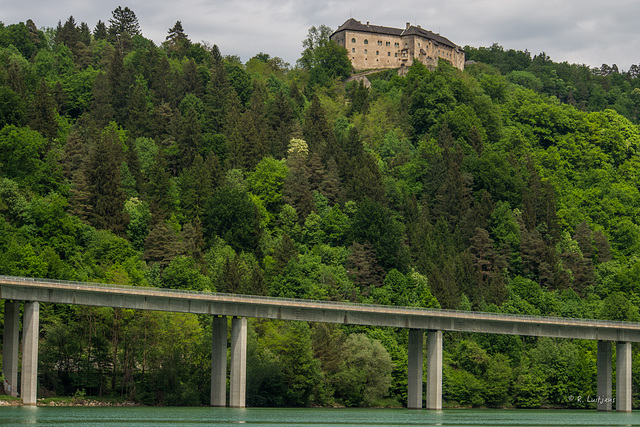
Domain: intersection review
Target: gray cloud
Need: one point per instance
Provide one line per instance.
(585, 32)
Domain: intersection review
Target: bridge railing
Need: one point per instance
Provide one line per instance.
(332, 304)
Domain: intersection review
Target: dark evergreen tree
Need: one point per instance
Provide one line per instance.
(297, 190)
(119, 80)
(138, 116)
(189, 139)
(364, 268)
(158, 189)
(359, 96)
(43, 112)
(104, 181)
(281, 120)
(102, 110)
(162, 245)
(122, 27)
(177, 41)
(100, 31)
(196, 188)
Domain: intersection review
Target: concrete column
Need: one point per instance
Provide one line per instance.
(30, 334)
(414, 391)
(604, 376)
(10, 345)
(219, 362)
(623, 377)
(434, 370)
(238, 378)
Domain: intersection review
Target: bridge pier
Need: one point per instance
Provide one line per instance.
(434, 370)
(414, 369)
(623, 377)
(219, 362)
(30, 332)
(604, 376)
(10, 344)
(238, 377)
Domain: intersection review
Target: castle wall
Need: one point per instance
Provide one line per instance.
(368, 50)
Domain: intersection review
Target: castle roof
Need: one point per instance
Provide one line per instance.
(354, 25)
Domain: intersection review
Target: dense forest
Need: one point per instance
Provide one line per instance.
(511, 187)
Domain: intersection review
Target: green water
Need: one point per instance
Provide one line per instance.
(147, 416)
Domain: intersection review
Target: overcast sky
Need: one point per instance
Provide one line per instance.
(578, 31)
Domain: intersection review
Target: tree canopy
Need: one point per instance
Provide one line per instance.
(509, 187)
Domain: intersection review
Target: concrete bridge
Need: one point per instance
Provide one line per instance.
(33, 291)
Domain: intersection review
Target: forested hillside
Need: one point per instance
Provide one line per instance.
(510, 187)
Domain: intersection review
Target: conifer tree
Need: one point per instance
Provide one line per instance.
(189, 139)
(281, 120)
(102, 110)
(122, 27)
(100, 31)
(297, 190)
(162, 245)
(177, 41)
(158, 188)
(138, 114)
(43, 112)
(104, 181)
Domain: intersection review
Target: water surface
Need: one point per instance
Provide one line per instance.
(147, 416)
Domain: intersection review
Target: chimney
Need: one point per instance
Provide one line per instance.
(408, 25)
(367, 23)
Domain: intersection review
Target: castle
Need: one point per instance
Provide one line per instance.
(373, 46)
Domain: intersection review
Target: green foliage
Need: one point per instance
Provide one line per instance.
(231, 215)
(511, 187)
(365, 372)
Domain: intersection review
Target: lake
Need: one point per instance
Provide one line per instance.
(146, 416)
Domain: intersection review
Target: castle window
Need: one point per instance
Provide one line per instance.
(353, 40)
(396, 54)
(396, 45)
(388, 44)
(388, 53)
(377, 52)
(366, 41)
(379, 42)
(365, 51)
(353, 50)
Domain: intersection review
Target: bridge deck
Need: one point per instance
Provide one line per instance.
(143, 298)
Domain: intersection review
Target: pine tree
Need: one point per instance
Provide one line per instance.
(102, 110)
(281, 120)
(197, 188)
(191, 82)
(138, 114)
(189, 139)
(363, 267)
(119, 82)
(317, 132)
(158, 188)
(177, 41)
(104, 181)
(297, 190)
(219, 98)
(122, 27)
(100, 31)
(43, 112)
(256, 131)
(233, 131)
(161, 245)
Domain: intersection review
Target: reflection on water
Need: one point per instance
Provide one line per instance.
(146, 416)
